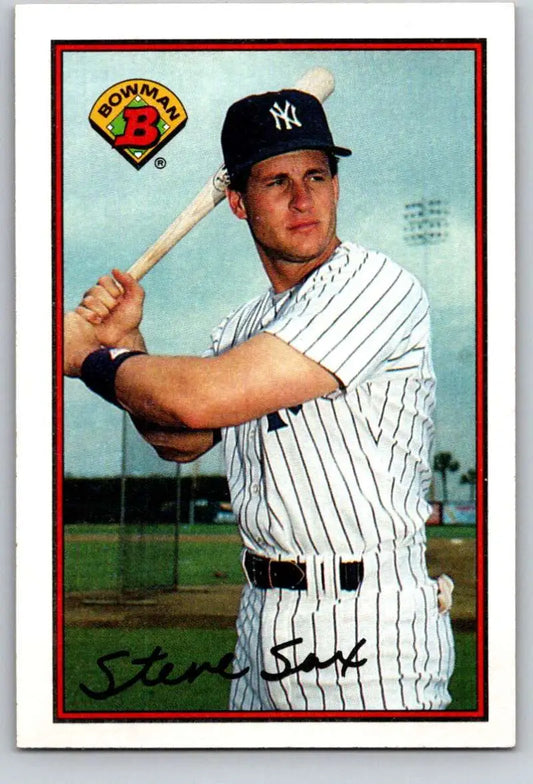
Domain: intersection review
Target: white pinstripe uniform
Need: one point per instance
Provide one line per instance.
(342, 477)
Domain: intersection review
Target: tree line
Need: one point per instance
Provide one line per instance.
(148, 499)
(443, 464)
(154, 499)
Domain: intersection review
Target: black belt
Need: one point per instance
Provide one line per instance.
(269, 573)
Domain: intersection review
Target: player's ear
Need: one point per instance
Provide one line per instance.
(336, 188)
(236, 203)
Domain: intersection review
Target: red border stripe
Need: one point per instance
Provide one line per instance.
(480, 367)
(58, 455)
(477, 46)
(169, 46)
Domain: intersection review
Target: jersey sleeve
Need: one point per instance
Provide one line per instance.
(212, 350)
(209, 352)
(216, 337)
(351, 322)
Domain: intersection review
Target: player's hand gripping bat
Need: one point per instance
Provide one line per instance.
(317, 81)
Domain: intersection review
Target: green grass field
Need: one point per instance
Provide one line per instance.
(92, 555)
(463, 681)
(84, 646)
(451, 531)
(209, 692)
(91, 563)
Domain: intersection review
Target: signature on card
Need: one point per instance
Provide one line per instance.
(157, 670)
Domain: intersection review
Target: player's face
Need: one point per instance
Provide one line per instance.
(290, 205)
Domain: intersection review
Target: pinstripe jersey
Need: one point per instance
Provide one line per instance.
(342, 477)
(349, 471)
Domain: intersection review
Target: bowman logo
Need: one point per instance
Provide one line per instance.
(138, 117)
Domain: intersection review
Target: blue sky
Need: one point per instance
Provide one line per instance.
(408, 116)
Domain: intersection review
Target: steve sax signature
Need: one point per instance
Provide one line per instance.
(156, 670)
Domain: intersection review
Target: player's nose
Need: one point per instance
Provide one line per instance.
(300, 195)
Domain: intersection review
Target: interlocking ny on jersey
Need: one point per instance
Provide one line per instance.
(347, 472)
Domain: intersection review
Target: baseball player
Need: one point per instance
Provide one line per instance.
(322, 391)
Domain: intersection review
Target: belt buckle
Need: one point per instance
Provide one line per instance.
(290, 575)
(269, 573)
(301, 574)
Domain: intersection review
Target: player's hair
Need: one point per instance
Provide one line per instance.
(240, 181)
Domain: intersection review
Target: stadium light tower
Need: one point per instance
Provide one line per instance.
(425, 223)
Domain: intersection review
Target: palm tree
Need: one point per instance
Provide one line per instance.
(470, 479)
(442, 463)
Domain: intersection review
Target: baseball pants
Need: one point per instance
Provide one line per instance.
(382, 647)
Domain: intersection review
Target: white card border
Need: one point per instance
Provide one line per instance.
(36, 26)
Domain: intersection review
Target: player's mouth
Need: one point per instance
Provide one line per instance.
(303, 227)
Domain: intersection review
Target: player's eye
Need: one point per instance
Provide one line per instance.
(276, 181)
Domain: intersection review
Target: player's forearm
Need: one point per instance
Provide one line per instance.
(167, 391)
(244, 383)
(248, 381)
(176, 445)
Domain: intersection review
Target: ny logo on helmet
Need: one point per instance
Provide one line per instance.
(283, 114)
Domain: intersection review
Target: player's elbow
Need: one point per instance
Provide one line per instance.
(175, 414)
(174, 456)
(200, 412)
(192, 404)
(169, 411)
(198, 418)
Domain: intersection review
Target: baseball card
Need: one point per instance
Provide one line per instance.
(265, 384)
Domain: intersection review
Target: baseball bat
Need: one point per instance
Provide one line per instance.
(317, 81)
